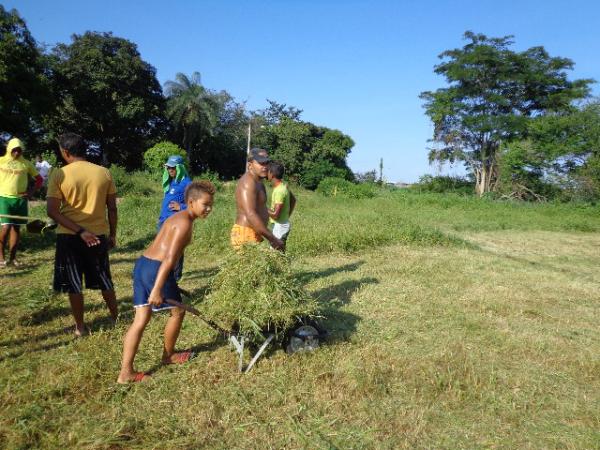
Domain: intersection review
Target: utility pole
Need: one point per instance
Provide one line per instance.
(381, 171)
(249, 134)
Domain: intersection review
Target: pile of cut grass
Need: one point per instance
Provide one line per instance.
(255, 291)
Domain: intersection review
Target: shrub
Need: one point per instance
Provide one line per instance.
(332, 187)
(316, 171)
(441, 184)
(155, 157)
(213, 177)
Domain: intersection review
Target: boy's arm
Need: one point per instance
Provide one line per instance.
(174, 251)
(111, 206)
(274, 213)
(292, 202)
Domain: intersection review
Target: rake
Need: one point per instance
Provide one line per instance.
(35, 226)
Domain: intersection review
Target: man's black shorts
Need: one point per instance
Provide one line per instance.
(75, 261)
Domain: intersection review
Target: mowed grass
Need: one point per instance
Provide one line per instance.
(455, 323)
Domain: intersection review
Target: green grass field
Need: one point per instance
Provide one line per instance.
(455, 323)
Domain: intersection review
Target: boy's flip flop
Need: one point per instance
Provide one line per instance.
(140, 376)
(180, 358)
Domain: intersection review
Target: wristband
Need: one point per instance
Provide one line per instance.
(78, 232)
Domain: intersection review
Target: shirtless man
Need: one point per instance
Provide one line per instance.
(154, 282)
(251, 200)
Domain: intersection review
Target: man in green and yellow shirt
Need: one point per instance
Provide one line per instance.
(15, 172)
(283, 202)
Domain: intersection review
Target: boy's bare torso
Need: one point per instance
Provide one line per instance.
(174, 236)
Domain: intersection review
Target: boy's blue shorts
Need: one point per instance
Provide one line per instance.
(144, 276)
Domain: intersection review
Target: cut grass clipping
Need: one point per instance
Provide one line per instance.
(255, 292)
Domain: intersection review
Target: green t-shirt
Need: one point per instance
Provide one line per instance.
(281, 194)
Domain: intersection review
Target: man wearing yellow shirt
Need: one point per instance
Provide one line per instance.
(80, 197)
(283, 203)
(15, 172)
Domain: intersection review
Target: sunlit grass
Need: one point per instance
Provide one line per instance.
(455, 323)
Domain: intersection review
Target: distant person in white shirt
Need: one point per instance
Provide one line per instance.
(43, 167)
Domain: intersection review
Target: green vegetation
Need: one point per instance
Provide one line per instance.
(135, 183)
(156, 156)
(99, 86)
(442, 184)
(255, 292)
(332, 187)
(455, 322)
(493, 95)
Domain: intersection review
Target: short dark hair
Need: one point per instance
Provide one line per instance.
(276, 169)
(195, 188)
(73, 143)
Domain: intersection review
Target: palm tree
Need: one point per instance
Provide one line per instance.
(193, 109)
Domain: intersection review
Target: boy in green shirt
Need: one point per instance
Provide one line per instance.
(283, 202)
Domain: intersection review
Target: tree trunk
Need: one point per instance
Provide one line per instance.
(486, 176)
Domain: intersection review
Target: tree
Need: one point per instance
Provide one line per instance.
(308, 152)
(493, 93)
(193, 110)
(289, 142)
(24, 85)
(561, 151)
(224, 151)
(369, 176)
(109, 95)
(275, 112)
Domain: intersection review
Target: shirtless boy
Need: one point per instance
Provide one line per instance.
(251, 200)
(154, 281)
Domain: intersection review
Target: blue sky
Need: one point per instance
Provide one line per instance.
(356, 66)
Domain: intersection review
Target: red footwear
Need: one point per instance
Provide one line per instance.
(180, 358)
(140, 376)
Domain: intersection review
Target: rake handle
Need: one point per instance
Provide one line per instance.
(196, 313)
(9, 216)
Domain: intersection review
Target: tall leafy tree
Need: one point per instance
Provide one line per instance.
(561, 150)
(492, 94)
(275, 112)
(108, 94)
(224, 150)
(308, 152)
(24, 85)
(192, 109)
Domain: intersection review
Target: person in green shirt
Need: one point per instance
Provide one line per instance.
(283, 202)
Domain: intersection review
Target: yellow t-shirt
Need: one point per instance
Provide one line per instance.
(14, 175)
(82, 187)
